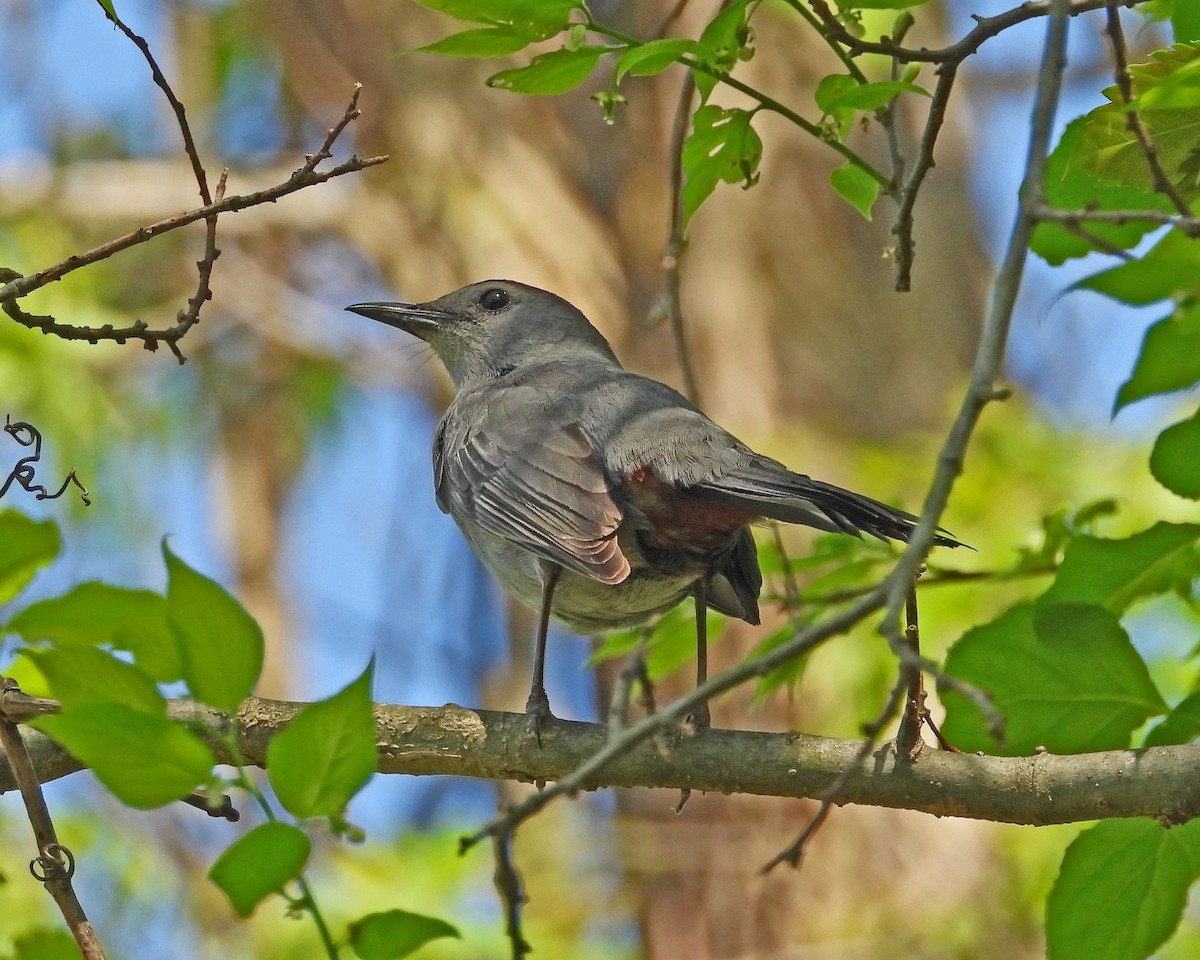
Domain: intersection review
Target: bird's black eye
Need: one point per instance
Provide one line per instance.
(494, 299)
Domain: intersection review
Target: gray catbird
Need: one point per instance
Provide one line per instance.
(592, 493)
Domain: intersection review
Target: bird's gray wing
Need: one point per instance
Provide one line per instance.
(685, 448)
(532, 476)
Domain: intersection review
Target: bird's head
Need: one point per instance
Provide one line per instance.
(489, 328)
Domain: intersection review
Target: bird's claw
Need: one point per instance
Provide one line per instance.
(699, 720)
(537, 709)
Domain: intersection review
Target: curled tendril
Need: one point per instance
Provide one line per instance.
(27, 435)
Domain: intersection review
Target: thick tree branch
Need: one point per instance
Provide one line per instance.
(1158, 782)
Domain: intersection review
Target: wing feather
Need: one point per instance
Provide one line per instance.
(534, 480)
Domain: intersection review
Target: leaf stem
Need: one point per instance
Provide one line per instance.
(764, 102)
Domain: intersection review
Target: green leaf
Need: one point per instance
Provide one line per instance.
(723, 42)
(45, 945)
(550, 73)
(1065, 676)
(1179, 89)
(81, 676)
(145, 760)
(1108, 147)
(327, 753)
(650, 58)
(1115, 573)
(483, 42)
(97, 614)
(1182, 724)
(395, 933)
(1185, 21)
(1169, 359)
(829, 91)
(1171, 268)
(221, 645)
(856, 186)
(1080, 188)
(872, 96)
(538, 19)
(722, 146)
(28, 545)
(110, 11)
(1121, 890)
(259, 864)
(1175, 461)
(879, 4)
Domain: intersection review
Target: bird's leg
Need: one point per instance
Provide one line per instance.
(699, 717)
(537, 707)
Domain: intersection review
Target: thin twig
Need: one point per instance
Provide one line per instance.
(921, 165)
(793, 853)
(634, 672)
(908, 737)
(10, 292)
(677, 241)
(1053, 215)
(1133, 119)
(55, 864)
(993, 338)
(1093, 239)
(512, 892)
(985, 29)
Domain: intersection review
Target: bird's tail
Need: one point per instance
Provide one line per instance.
(770, 490)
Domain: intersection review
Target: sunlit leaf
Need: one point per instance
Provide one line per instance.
(28, 546)
(538, 19)
(1121, 890)
(144, 759)
(1115, 573)
(1064, 676)
(259, 864)
(879, 4)
(327, 753)
(1110, 149)
(722, 147)
(856, 186)
(483, 42)
(1175, 461)
(872, 96)
(395, 933)
(550, 73)
(653, 57)
(80, 676)
(724, 41)
(220, 643)
(98, 614)
(1080, 188)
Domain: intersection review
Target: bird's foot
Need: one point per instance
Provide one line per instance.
(697, 721)
(537, 709)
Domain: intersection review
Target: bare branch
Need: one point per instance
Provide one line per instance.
(985, 28)
(993, 338)
(11, 291)
(54, 864)
(1158, 782)
(921, 165)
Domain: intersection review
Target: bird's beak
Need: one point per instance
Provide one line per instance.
(416, 318)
